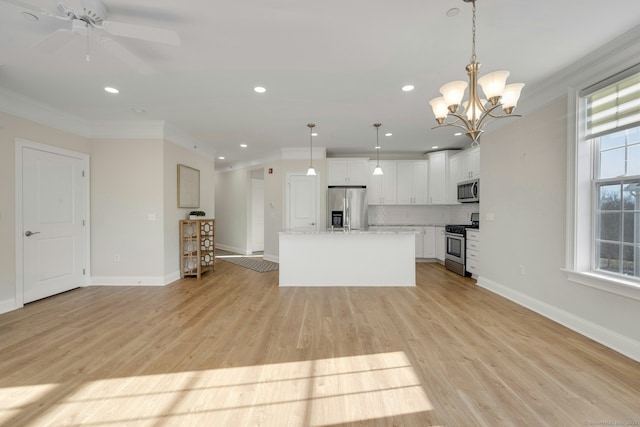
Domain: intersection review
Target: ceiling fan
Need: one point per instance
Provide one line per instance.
(84, 16)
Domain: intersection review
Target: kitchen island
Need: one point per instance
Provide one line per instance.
(355, 258)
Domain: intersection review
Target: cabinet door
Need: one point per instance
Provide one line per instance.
(421, 182)
(404, 182)
(440, 243)
(437, 178)
(357, 172)
(429, 242)
(389, 181)
(419, 244)
(455, 176)
(337, 172)
(473, 162)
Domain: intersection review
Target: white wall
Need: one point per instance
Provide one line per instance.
(12, 127)
(126, 187)
(233, 195)
(524, 177)
(174, 155)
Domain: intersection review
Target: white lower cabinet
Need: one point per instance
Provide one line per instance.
(440, 243)
(473, 252)
(429, 242)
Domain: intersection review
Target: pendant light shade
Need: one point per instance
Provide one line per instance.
(377, 170)
(311, 171)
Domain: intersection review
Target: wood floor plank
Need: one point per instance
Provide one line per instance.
(232, 348)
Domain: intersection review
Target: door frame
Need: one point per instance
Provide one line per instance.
(19, 145)
(287, 219)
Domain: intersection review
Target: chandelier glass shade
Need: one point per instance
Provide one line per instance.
(472, 115)
(311, 171)
(377, 170)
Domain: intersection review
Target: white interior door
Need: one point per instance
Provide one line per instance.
(257, 214)
(53, 232)
(303, 203)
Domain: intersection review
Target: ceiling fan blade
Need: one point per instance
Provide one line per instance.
(151, 34)
(125, 55)
(55, 40)
(30, 7)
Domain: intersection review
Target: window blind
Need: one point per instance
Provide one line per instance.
(613, 108)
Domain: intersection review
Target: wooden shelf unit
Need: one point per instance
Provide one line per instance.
(197, 247)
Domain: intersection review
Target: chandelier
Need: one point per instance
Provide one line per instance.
(476, 112)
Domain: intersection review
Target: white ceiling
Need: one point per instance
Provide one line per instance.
(340, 64)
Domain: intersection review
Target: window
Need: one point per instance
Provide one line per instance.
(612, 131)
(617, 211)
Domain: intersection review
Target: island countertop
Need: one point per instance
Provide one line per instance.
(355, 258)
(352, 232)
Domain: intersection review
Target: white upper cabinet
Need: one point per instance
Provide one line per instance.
(347, 171)
(469, 164)
(412, 182)
(381, 189)
(440, 190)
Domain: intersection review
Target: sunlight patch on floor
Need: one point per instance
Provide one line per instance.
(307, 393)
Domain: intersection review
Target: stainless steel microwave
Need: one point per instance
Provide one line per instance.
(469, 191)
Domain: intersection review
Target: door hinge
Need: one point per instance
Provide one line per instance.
(84, 272)
(83, 174)
(83, 222)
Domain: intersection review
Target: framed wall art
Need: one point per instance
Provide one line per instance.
(188, 187)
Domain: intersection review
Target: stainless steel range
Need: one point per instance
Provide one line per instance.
(455, 236)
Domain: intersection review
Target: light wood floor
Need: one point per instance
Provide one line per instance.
(233, 349)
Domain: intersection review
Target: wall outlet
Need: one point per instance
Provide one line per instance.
(522, 270)
(116, 258)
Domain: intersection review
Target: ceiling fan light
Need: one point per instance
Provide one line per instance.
(493, 84)
(510, 96)
(452, 93)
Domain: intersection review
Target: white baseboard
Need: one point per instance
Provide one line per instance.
(127, 281)
(272, 258)
(242, 251)
(604, 336)
(172, 277)
(8, 305)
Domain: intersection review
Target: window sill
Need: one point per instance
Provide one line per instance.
(618, 286)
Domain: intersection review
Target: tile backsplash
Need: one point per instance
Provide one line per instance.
(422, 215)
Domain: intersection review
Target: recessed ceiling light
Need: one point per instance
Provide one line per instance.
(388, 134)
(259, 89)
(377, 147)
(453, 12)
(434, 147)
(138, 110)
(221, 158)
(243, 145)
(29, 16)
(457, 134)
(408, 88)
(111, 89)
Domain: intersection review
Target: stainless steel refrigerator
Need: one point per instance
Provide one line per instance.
(347, 208)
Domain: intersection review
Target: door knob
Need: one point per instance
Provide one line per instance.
(31, 233)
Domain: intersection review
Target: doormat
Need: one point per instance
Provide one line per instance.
(255, 262)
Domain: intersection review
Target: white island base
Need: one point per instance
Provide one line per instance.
(357, 258)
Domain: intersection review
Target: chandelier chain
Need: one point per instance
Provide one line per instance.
(473, 33)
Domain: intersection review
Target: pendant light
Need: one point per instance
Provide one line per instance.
(378, 169)
(311, 171)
